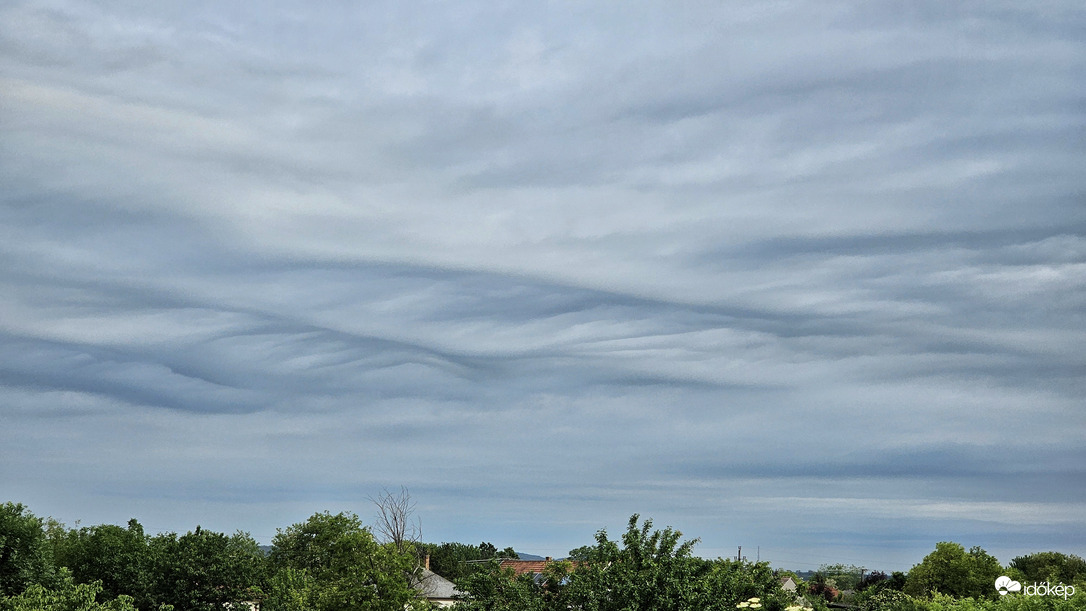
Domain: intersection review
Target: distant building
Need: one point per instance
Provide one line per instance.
(520, 567)
(535, 568)
(435, 588)
(788, 584)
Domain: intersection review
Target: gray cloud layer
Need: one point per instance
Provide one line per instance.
(808, 276)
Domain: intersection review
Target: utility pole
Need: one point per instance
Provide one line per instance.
(739, 554)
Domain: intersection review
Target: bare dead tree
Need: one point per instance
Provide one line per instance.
(396, 520)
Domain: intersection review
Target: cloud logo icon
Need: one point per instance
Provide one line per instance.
(1005, 584)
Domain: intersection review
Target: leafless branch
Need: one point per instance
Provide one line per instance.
(396, 522)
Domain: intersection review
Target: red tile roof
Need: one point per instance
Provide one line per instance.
(521, 567)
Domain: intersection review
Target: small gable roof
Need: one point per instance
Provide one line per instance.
(432, 585)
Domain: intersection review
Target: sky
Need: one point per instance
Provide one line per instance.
(805, 277)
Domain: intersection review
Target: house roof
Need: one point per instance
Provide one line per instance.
(432, 585)
(521, 567)
(534, 567)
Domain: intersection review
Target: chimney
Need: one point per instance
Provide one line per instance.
(426, 562)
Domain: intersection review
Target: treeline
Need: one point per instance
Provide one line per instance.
(952, 578)
(654, 569)
(645, 569)
(332, 562)
(327, 562)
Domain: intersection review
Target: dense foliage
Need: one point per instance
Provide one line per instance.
(892, 600)
(458, 560)
(119, 559)
(646, 570)
(332, 562)
(327, 563)
(25, 556)
(65, 596)
(1049, 566)
(497, 589)
(205, 570)
(953, 571)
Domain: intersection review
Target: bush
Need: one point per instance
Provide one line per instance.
(891, 600)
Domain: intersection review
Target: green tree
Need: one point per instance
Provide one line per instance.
(66, 596)
(891, 600)
(844, 576)
(647, 569)
(1053, 567)
(823, 587)
(26, 556)
(656, 570)
(581, 554)
(118, 558)
(205, 570)
(291, 590)
(732, 581)
(495, 589)
(896, 581)
(335, 564)
(953, 571)
(456, 560)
